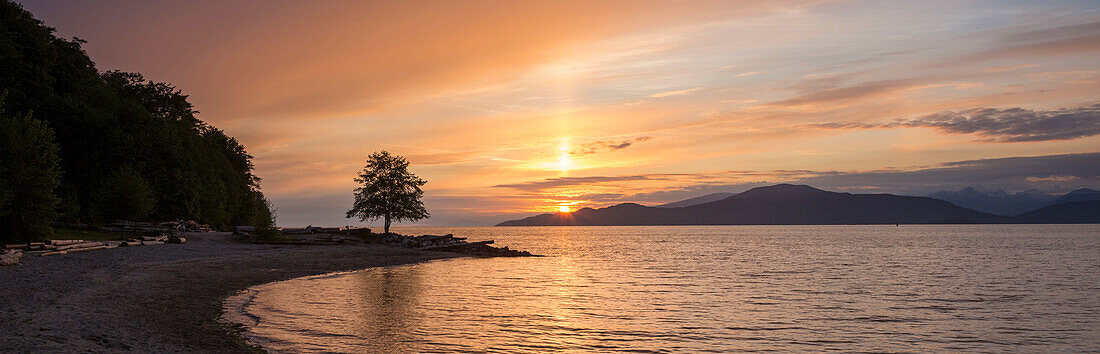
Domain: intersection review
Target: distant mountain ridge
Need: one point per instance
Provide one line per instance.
(713, 197)
(997, 202)
(1001, 203)
(1086, 212)
(782, 204)
(1080, 195)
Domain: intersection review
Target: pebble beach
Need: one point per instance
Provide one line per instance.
(159, 299)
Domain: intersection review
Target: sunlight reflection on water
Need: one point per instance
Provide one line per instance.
(711, 288)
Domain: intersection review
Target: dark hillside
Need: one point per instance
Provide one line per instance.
(1065, 213)
(118, 132)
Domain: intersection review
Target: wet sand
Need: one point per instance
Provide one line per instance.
(165, 298)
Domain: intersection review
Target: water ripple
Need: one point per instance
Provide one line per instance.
(983, 288)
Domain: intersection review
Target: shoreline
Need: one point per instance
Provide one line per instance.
(164, 299)
(237, 319)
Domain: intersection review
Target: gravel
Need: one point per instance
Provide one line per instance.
(164, 298)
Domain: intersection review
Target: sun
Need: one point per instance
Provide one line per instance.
(563, 208)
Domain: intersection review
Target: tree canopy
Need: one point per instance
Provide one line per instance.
(126, 195)
(107, 122)
(388, 191)
(28, 176)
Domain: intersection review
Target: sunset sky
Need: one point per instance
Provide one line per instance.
(513, 108)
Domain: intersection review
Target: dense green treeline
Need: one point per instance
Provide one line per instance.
(28, 176)
(128, 148)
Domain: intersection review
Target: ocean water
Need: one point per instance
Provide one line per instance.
(1020, 288)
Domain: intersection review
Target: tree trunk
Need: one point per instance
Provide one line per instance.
(387, 224)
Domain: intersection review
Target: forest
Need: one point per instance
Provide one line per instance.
(84, 146)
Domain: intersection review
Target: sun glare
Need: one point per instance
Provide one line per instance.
(565, 161)
(563, 208)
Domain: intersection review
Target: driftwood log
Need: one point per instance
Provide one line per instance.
(10, 257)
(63, 242)
(89, 248)
(74, 250)
(79, 245)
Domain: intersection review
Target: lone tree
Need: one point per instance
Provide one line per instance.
(389, 191)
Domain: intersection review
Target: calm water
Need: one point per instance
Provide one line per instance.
(711, 288)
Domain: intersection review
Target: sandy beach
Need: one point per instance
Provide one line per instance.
(158, 298)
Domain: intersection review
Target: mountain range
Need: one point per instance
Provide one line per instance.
(787, 204)
(1063, 213)
(713, 197)
(782, 204)
(1001, 203)
(1080, 195)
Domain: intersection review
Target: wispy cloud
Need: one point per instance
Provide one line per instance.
(674, 92)
(998, 69)
(1055, 173)
(559, 182)
(849, 93)
(1072, 39)
(1010, 173)
(606, 146)
(679, 180)
(1001, 125)
(1016, 124)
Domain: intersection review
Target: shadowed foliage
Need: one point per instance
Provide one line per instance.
(117, 127)
(28, 177)
(126, 196)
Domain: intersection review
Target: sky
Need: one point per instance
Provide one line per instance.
(512, 108)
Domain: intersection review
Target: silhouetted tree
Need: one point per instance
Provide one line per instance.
(389, 191)
(28, 176)
(265, 219)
